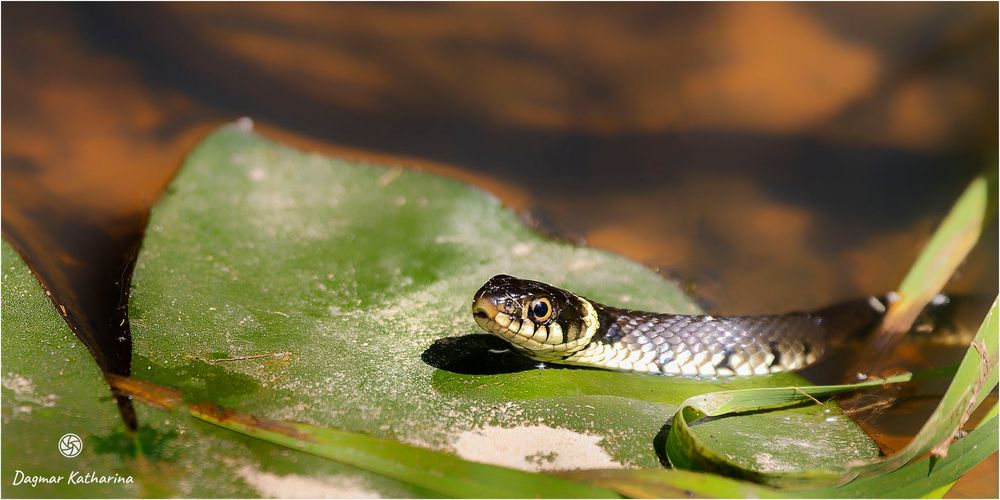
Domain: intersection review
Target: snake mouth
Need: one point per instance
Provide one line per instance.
(523, 335)
(492, 320)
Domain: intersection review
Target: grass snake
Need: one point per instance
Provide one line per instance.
(552, 325)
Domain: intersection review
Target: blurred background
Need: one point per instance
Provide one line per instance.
(769, 156)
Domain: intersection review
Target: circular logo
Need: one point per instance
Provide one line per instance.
(70, 445)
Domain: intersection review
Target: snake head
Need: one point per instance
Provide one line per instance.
(538, 320)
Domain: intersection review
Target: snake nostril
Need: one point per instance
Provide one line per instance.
(483, 308)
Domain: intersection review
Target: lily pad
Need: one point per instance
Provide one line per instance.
(299, 287)
(51, 387)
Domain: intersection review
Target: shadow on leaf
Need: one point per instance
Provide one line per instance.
(475, 354)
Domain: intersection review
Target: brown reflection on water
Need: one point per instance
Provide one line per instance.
(83, 156)
(772, 156)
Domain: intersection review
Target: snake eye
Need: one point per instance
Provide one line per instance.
(541, 309)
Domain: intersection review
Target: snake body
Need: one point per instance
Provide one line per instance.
(549, 324)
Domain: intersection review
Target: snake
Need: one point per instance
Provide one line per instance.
(551, 325)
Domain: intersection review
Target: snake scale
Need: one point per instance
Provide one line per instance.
(552, 325)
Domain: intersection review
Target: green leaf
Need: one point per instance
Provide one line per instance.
(919, 479)
(302, 288)
(687, 451)
(51, 386)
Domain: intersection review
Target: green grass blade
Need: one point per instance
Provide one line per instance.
(672, 483)
(443, 473)
(433, 470)
(926, 478)
(743, 400)
(975, 378)
(947, 248)
(988, 418)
